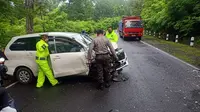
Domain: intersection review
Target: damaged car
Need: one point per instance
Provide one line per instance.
(68, 55)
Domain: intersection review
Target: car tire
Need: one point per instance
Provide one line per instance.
(24, 75)
(124, 38)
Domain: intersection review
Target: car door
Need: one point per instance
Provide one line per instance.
(67, 57)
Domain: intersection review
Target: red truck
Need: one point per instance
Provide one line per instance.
(131, 27)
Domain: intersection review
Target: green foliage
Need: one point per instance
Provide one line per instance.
(79, 9)
(8, 30)
(173, 16)
(55, 20)
(198, 42)
(170, 16)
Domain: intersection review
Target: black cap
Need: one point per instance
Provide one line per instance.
(100, 31)
(44, 34)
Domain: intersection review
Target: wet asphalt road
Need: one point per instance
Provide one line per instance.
(157, 83)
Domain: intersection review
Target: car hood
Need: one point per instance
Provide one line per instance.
(115, 46)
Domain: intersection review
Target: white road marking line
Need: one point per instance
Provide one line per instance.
(11, 85)
(171, 56)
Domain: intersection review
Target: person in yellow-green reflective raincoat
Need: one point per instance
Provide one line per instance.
(111, 35)
(42, 54)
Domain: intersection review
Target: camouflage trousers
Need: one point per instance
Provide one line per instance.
(103, 68)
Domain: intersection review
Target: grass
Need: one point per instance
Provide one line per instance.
(181, 51)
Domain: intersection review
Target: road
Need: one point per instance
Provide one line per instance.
(157, 83)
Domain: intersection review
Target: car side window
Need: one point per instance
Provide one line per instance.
(65, 45)
(25, 44)
(20, 44)
(51, 45)
(33, 42)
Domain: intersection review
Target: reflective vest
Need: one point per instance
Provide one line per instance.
(42, 50)
(113, 37)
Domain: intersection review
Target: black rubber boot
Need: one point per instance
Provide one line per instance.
(107, 84)
(100, 86)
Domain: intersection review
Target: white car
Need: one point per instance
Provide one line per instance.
(68, 55)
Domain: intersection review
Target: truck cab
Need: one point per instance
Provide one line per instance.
(131, 27)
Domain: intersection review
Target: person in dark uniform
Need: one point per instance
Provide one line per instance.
(2, 54)
(6, 102)
(100, 45)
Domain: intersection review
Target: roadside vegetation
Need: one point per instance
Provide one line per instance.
(181, 51)
(19, 17)
(177, 17)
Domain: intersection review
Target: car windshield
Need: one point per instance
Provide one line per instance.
(87, 39)
(81, 39)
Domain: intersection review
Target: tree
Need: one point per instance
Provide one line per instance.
(29, 6)
(180, 17)
(135, 6)
(79, 9)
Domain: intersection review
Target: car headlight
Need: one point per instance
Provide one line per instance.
(120, 53)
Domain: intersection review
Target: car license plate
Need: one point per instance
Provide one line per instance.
(133, 35)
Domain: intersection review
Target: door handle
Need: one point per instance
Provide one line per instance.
(56, 57)
(29, 54)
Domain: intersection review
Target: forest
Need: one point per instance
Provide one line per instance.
(18, 17)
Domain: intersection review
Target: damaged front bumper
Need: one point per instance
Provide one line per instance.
(123, 64)
(115, 66)
(123, 59)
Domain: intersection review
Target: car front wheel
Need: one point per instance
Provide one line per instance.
(24, 75)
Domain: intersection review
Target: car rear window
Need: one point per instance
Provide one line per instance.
(25, 44)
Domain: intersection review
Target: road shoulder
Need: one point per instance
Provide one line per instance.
(186, 53)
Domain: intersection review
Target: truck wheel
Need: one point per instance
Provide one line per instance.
(24, 75)
(139, 38)
(124, 38)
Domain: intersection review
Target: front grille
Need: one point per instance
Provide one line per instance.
(120, 54)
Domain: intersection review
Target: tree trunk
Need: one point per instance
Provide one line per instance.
(29, 5)
(43, 25)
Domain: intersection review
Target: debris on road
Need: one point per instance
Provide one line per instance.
(114, 110)
(120, 78)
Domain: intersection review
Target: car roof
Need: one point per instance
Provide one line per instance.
(67, 34)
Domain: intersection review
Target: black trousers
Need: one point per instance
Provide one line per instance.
(103, 68)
